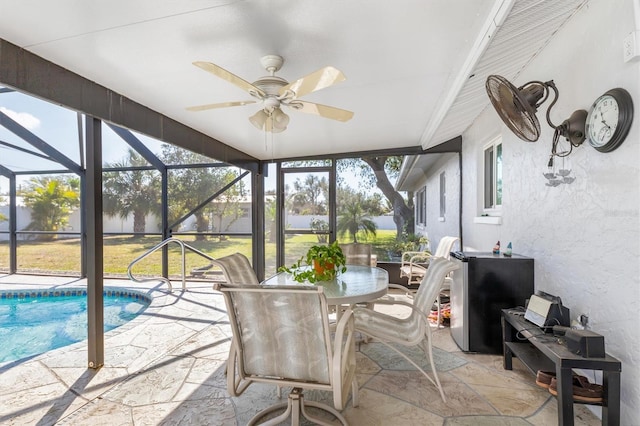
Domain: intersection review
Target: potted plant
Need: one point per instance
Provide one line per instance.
(321, 263)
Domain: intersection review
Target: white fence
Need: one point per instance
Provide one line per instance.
(116, 224)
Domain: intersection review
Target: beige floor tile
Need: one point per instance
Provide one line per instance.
(208, 372)
(23, 377)
(202, 412)
(212, 343)
(160, 383)
(99, 412)
(442, 339)
(376, 409)
(414, 388)
(548, 415)
(90, 383)
(40, 405)
(167, 367)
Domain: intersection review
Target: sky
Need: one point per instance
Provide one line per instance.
(58, 127)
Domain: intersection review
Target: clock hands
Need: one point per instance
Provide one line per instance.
(604, 132)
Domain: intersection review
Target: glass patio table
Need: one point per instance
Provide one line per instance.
(358, 284)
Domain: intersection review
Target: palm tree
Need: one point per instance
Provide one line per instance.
(133, 192)
(353, 220)
(2, 217)
(377, 170)
(51, 200)
(311, 194)
(190, 186)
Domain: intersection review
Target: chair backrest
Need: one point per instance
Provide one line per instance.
(429, 288)
(281, 333)
(357, 253)
(445, 246)
(236, 269)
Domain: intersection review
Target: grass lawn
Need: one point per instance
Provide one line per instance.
(63, 256)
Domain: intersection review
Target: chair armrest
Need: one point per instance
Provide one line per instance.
(415, 256)
(399, 302)
(420, 258)
(410, 254)
(400, 287)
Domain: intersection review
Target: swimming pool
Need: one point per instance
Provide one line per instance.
(33, 322)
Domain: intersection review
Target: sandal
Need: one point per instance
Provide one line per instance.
(583, 390)
(543, 378)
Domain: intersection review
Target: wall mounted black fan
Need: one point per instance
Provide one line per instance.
(517, 107)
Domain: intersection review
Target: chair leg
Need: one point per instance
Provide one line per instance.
(295, 407)
(428, 351)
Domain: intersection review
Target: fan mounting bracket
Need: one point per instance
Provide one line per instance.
(272, 63)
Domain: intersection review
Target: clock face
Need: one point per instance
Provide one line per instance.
(609, 120)
(602, 121)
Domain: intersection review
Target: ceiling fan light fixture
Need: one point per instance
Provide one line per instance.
(259, 119)
(280, 119)
(271, 127)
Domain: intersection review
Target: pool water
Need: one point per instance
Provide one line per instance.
(30, 326)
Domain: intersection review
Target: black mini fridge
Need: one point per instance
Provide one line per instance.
(485, 284)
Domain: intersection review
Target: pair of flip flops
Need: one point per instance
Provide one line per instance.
(583, 390)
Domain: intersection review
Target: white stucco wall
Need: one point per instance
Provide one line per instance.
(585, 237)
(437, 226)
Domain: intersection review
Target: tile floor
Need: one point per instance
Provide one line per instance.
(167, 367)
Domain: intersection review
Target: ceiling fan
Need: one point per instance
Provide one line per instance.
(274, 91)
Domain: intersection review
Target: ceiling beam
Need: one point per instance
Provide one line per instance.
(6, 172)
(29, 73)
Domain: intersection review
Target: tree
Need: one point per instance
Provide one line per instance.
(227, 204)
(372, 204)
(270, 207)
(190, 186)
(51, 200)
(2, 202)
(133, 192)
(377, 170)
(311, 194)
(353, 220)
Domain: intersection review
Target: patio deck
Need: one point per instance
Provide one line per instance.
(167, 367)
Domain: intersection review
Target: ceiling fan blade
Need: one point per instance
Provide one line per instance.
(324, 77)
(220, 105)
(230, 77)
(324, 111)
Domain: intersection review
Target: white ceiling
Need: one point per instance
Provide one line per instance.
(407, 62)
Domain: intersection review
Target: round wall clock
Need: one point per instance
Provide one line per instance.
(609, 120)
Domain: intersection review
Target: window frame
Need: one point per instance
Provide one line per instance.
(443, 194)
(492, 182)
(421, 207)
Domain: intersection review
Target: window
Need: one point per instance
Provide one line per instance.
(421, 206)
(493, 175)
(443, 193)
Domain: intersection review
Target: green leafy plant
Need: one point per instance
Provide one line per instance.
(321, 263)
(409, 242)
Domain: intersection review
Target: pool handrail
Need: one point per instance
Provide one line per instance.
(158, 246)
